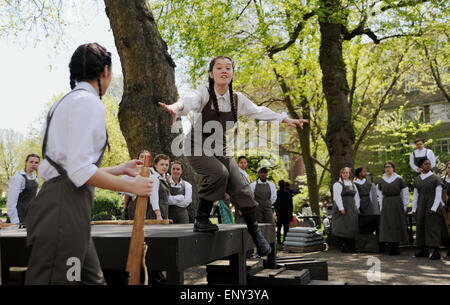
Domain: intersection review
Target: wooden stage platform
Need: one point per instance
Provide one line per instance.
(172, 248)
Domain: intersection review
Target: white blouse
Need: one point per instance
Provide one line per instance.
(244, 173)
(181, 200)
(404, 192)
(337, 190)
(421, 153)
(196, 101)
(76, 136)
(15, 186)
(437, 197)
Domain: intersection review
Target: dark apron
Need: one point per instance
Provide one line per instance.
(163, 193)
(58, 229)
(131, 209)
(417, 159)
(264, 209)
(346, 226)
(392, 220)
(429, 227)
(364, 195)
(219, 174)
(176, 213)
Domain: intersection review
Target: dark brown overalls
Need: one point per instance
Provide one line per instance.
(59, 228)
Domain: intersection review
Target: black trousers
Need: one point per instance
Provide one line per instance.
(285, 231)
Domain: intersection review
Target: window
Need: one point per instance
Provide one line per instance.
(411, 114)
(440, 112)
(442, 145)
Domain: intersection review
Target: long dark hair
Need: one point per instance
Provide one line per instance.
(212, 93)
(87, 63)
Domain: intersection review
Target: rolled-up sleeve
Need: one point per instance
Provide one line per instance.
(86, 133)
(249, 109)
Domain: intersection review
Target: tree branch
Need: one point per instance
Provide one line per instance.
(435, 72)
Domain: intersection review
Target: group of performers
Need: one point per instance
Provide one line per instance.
(58, 218)
(430, 201)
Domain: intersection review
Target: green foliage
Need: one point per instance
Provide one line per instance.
(107, 203)
(3, 201)
(394, 138)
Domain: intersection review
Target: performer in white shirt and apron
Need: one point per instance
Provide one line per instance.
(22, 188)
(58, 219)
(344, 221)
(160, 198)
(265, 194)
(393, 194)
(210, 157)
(421, 153)
(427, 207)
(180, 194)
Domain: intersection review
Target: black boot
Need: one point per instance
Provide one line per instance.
(435, 254)
(422, 252)
(262, 246)
(393, 249)
(201, 222)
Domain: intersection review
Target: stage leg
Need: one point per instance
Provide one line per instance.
(238, 267)
(175, 277)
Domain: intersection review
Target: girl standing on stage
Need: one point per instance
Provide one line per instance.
(161, 188)
(365, 187)
(58, 219)
(180, 194)
(345, 211)
(220, 108)
(393, 194)
(428, 211)
(22, 188)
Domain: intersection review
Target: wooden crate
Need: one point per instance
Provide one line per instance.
(318, 269)
(280, 276)
(219, 272)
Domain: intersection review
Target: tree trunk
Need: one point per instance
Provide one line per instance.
(149, 77)
(340, 134)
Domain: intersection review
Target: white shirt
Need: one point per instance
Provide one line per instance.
(244, 173)
(404, 194)
(180, 200)
(76, 136)
(361, 182)
(437, 197)
(273, 189)
(195, 101)
(154, 198)
(337, 190)
(15, 186)
(421, 153)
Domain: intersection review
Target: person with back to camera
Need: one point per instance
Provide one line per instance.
(59, 218)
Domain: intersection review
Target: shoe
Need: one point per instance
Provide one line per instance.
(435, 253)
(422, 252)
(202, 222)
(262, 246)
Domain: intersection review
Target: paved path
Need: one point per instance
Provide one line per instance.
(353, 268)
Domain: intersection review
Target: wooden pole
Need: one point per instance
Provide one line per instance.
(137, 243)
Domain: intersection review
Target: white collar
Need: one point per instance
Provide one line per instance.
(260, 182)
(425, 176)
(345, 181)
(389, 180)
(87, 86)
(359, 181)
(33, 176)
